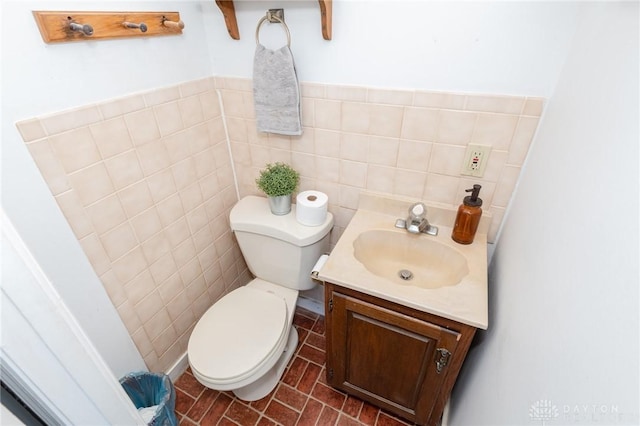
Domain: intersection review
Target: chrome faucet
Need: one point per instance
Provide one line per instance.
(416, 222)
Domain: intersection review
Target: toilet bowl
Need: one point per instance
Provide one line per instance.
(245, 338)
(244, 341)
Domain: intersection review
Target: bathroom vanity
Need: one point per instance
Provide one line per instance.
(397, 358)
(401, 309)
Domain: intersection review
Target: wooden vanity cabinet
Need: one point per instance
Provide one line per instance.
(400, 359)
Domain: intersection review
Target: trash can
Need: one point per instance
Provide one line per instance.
(154, 397)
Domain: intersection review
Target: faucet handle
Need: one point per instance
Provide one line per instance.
(417, 211)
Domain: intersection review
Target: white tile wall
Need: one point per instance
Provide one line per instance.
(146, 180)
(410, 143)
(145, 183)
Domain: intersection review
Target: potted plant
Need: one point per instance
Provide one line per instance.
(278, 181)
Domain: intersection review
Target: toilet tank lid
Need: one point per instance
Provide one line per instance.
(252, 214)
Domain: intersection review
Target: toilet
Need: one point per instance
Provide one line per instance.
(244, 341)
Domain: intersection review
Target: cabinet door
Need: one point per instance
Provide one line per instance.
(393, 360)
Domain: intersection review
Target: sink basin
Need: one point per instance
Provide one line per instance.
(409, 259)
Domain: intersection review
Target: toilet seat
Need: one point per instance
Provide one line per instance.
(240, 335)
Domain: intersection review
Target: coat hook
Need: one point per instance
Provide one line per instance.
(85, 29)
(172, 24)
(142, 26)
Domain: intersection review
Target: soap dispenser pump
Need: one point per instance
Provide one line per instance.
(468, 217)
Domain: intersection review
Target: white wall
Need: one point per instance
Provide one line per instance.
(564, 279)
(488, 47)
(38, 78)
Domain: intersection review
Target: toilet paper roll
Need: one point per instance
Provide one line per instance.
(318, 266)
(311, 208)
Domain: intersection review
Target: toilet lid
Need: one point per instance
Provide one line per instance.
(238, 334)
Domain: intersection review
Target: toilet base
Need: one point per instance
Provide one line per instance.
(265, 384)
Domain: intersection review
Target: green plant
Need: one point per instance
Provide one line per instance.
(278, 179)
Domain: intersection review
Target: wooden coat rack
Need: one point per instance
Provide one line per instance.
(77, 26)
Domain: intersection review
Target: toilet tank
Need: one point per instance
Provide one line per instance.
(278, 248)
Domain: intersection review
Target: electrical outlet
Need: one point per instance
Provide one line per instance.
(475, 160)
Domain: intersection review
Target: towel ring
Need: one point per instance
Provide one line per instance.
(272, 17)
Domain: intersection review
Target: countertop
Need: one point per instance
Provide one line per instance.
(465, 302)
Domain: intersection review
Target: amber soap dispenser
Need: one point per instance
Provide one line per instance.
(468, 217)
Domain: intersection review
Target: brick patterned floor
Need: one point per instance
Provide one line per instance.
(302, 396)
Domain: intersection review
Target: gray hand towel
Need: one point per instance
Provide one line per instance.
(276, 92)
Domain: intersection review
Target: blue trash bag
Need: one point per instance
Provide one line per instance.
(149, 390)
